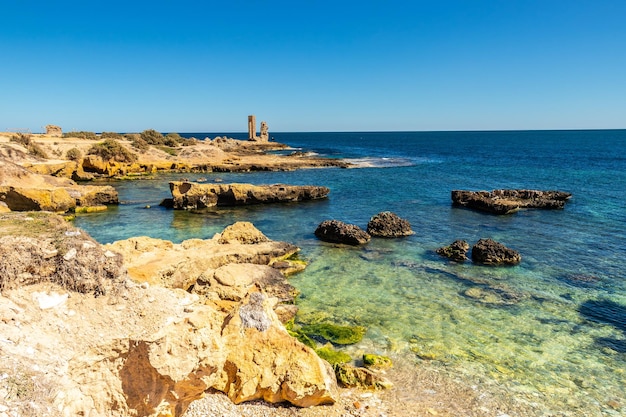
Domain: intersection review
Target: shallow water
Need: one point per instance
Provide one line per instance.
(550, 332)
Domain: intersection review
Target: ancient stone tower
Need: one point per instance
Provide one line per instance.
(265, 136)
(252, 127)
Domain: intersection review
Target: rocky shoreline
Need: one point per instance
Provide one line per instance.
(145, 326)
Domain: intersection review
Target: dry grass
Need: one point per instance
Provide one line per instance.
(42, 247)
(27, 393)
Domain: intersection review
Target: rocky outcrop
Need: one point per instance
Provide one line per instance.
(388, 224)
(180, 265)
(509, 201)
(23, 190)
(191, 196)
(456, 251)
(141, 349)
(336, 231)
(490, 252)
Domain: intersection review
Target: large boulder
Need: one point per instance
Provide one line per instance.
(336, 231)
(265, 362)
(190, 196)
(388, 224)
(490, 252)
(508, 201)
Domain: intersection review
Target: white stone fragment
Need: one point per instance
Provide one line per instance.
(71, 254)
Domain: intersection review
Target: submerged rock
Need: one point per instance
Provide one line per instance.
(376, 361)
(191, 196)
(456, 251)
(490, 252)
(339, 335)
(336, 231)
(495, 295)
(508, 201)
(388, 224)
(351, 376)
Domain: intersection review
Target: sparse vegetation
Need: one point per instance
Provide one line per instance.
(168, 150)
(111, 149)
(111, 135)
(74, 154)
(23, 139)
(152, 137)
(81, 135)
(36, 150)
(140, 144)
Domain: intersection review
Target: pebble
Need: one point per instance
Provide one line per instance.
(71, 254)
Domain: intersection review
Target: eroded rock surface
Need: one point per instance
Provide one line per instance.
(336, 231)
(508, 201)
(490, 252)
(23, 190)
(190, 196)
(145, 349)
(388, 224)
(456, 251)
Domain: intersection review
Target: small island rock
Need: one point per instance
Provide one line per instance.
(456, 251)
(336, 231)
(509, 201)
(490, 252)
(388, 224)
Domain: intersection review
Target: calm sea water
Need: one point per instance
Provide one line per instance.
(550, 332)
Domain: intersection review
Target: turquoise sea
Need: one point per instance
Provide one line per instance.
(550, 333)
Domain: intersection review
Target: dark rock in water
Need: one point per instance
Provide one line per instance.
(490, 252)
(456, 251)
(581, 280)
(388, 224)
(339, 232)
(509, 201)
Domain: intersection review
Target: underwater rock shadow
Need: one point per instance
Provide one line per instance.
(606, 312)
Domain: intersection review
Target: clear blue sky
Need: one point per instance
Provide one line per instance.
(313, 65)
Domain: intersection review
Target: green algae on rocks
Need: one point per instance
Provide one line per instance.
(376, 361)
(332, 356)
(339, 335)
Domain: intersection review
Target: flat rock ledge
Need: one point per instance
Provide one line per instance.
(192, 196)
(508, 201)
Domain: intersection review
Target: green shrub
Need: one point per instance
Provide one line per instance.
(189, 142)
(140, 144)
(111, 135)
(23, 139)
(112, 149)
(81, 135)
(74, 154)
(152, 137)
(36, 150)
